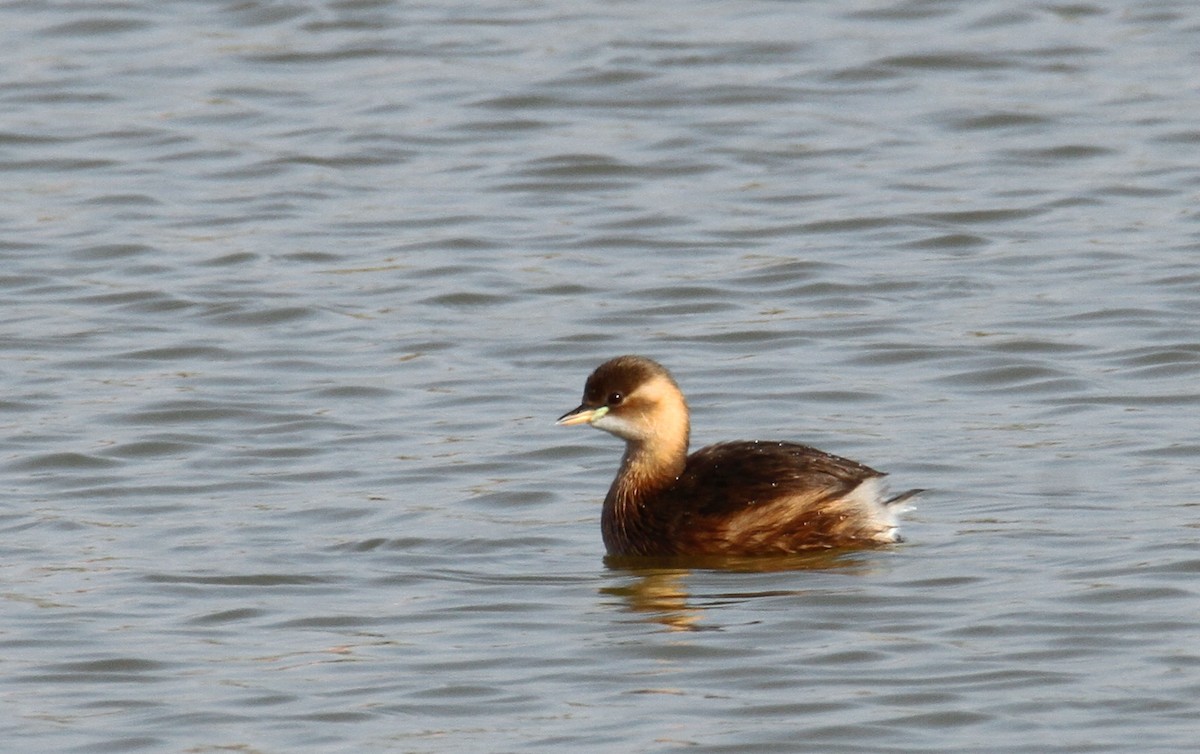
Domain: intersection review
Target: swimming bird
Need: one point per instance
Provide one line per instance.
(744, 498)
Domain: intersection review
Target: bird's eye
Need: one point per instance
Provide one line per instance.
(615, 398)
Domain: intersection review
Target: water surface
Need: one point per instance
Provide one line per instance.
(294, 292)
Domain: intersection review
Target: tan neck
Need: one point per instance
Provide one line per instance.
(657, 459)
(630, 519)
(647, 465)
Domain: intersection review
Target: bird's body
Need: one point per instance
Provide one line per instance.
(735, 498)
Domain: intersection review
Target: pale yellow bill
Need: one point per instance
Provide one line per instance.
(581, 415)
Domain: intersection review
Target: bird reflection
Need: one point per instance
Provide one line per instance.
(662, 597)
(658, 588)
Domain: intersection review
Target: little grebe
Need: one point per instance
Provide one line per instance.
(733, 498)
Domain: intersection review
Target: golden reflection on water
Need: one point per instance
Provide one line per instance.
(658, 589)
(662, 597)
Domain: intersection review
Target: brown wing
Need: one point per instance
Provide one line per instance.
(771, 497)
(725, 479)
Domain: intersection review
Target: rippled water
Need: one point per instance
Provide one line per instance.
(294, 292)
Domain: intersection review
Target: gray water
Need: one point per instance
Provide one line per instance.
(294, 292)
